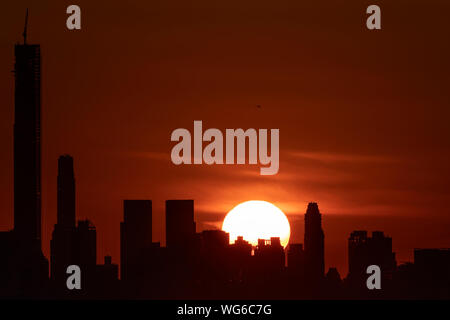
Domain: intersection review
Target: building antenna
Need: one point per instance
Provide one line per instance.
(25, 29)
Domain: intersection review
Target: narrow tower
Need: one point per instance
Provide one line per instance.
(314, 242)
(63, 249)
(180, 224)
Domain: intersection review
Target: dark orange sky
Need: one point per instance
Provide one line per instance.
(363, 115)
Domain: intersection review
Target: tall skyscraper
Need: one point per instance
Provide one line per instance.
(27, 143)
(28, 265)
(314, 242)
(135, 236)
(71, 244)
(180, 225)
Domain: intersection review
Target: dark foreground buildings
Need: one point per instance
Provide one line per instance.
(432, 272)
(76, 244)
(191, 265)
(25, 266)
(314, 242)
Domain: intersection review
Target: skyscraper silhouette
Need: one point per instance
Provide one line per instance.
(27, 143)
(86, 245)
(71, 244)
(314, 242)
(62, 244)
(296, 257)
(269, 256)
(29, 267)
(135, 237)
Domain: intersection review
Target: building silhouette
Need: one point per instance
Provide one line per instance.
(432, 272)
(23, 259)
(135, 238)
(314, 243)
(333, 284)
(364, 251)
(71, 243)
(107, 280)
(63, 242)
(296, 261)
(214, 241)
(73, 246)
(180, 225)
(433, 262)
(86, 249)
(269, 257)
(213, 254)
(27, 143)
(240, 254)
(7, 269)
(269, 254)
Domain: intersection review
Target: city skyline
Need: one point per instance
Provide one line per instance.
(372, 161)
(202, 265)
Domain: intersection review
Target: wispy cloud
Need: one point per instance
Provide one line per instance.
(338, 157)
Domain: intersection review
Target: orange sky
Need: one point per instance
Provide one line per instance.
(363, 116)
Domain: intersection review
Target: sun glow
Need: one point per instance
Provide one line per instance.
(257, 220)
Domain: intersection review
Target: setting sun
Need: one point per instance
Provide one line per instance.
(257, 220)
